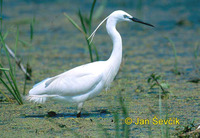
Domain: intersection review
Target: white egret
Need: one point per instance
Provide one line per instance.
(86, 81)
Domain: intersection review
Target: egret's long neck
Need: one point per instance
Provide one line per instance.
(116, 39)
(116, 57)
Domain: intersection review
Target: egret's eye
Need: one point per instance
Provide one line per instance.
(125, 16)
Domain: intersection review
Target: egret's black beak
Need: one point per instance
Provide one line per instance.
(139, 21)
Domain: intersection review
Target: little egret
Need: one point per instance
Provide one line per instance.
(86, 81)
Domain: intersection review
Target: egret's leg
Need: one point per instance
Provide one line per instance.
(80, 106)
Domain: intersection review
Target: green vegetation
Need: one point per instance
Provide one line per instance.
(85, 29)
(188, 130)
(175, 70)
(32, 29)
(10, 83)
(1, 17)
(196, 59)
(153, 80)
(8, 75)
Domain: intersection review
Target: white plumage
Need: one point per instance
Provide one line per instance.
(87, 81)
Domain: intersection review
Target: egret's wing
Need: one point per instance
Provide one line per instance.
(48, 82)
(77, 81)
(40, 82)
(76, 85)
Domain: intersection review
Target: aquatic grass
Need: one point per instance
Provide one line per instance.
(125, 131)
(28, 67)
(1, 17)
(91, 15)
(196, 55)
(1, 21)
(102, 128)
(125, 127)
(16, 46)
(25, 82)
(150, 131)
(195, 77)
(86, 36)
(5, 35)
(117, 125)
(88, 22)
(153, 80)
(18, 61)
(196, 50)
(188, 130)
(83, 32)
(10, 84)
(32, 29)
(29, 70)
(25, 44)
(167, 134)
(125, 114)
(6, 96)
(85, 29)
(4, 69)
(175, 70)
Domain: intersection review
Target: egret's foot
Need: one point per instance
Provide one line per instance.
(78, 115)
(52, 114)
(80, 106)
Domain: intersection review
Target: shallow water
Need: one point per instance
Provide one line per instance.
(57, 46)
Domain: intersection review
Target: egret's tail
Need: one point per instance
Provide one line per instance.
(36, 98)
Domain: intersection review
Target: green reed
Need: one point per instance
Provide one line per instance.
(9, 82)
(28, 67)
(32, 29)
(85, 29)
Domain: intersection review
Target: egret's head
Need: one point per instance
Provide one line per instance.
(120, 15)
(116, 16)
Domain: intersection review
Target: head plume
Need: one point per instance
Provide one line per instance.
(93, 34)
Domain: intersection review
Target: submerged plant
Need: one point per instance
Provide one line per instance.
(85, 29)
